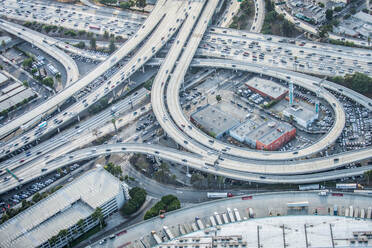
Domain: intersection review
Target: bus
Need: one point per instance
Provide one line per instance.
(219, 194)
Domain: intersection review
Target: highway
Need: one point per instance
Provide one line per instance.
(149, 25)
(36, 39)
(238, 163)
(179, 157)
(259, 16)
(75, 17)
(314, 30)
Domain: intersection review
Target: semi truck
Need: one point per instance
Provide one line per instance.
(348, 186)
(308, 187)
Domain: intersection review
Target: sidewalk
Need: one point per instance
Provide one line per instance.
(132, 219)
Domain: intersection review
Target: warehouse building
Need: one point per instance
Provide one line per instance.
(3, 79)
(303, 116)
(270, 135)
(213, 121)
(267, 88)
(70, 210)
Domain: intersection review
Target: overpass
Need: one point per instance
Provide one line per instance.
(150, 24)
(38, 40)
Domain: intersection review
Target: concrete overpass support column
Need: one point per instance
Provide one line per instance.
(59, 108)
(143, 69)
(114, 93)
(78, 117)
(58, 130)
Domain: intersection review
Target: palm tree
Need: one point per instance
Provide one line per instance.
(97, 215)
(113, 120)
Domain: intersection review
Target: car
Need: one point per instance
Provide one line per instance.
(102, 241)
(44, 169)
(112, 236)
(184, 160)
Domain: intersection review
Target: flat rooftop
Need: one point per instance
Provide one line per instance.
(269, 131)
(62, 209)
(245, 127)
(214, 120)
(300, 112)
(267, 87)
(3, 78)
(20, 94)
(295, 231)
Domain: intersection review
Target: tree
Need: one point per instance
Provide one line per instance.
(48, 81)
(58, 76)
(27, 63)
(93, 43)
(218, 98)
(141, 4)
(329, 14)
(113, 121)
(106, 34)
(81, 45)
(125, 5)
(25, 83)
(368, 175)
(97, 215)
(37, 197)
(138, 197)
(112, 46)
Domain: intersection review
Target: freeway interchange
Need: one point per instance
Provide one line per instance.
(159, 32)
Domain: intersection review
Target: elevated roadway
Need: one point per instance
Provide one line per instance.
(163, 32)
(38, 112)
(179, 157)
(36, 39)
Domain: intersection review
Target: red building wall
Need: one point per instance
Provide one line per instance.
(278, 143)
(265, 95)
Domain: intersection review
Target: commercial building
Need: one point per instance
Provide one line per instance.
(213, 121)
(270, 135)
(295, 219)
(70, 209)
(267, 88)
(303, 116)
(14, 94)
(293, 231)
(3, 79)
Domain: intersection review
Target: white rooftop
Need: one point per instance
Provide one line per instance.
(270, 231)
(267, 87)
(3, 78)
(62, 209)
